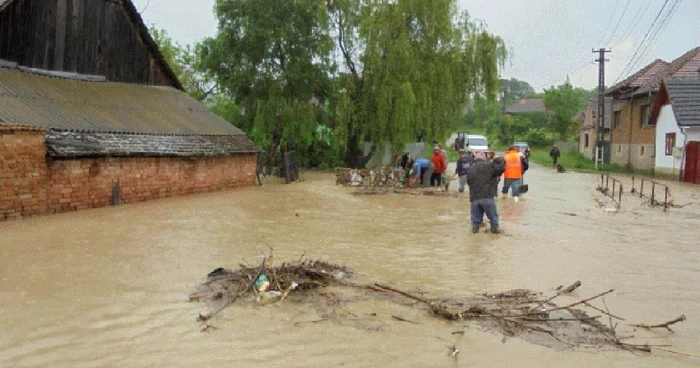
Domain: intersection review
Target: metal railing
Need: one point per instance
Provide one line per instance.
(653, 195)
(605, 188)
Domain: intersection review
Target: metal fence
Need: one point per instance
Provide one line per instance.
(614, 191)
(652, 191)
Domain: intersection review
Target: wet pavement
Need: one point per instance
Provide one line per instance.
(108, 287)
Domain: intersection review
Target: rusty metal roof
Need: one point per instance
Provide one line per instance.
(88, 106)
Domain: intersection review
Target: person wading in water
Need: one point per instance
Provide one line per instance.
(483, 177)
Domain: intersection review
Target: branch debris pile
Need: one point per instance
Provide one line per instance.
(525, 314)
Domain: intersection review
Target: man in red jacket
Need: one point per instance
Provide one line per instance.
(440, 164)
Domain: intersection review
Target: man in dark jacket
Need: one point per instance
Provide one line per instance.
(554, 154)
(482, 178)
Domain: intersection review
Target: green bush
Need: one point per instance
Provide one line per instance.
(537, 138)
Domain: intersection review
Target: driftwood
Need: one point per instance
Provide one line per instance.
(520, 312)
(662, 325)
(572, 287)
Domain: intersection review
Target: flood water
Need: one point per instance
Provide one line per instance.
(109, 287)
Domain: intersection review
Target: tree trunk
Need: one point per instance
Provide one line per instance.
(355, 157)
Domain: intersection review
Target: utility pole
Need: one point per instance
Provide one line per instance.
(600, 136)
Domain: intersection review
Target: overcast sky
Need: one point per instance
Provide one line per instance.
(548, 39)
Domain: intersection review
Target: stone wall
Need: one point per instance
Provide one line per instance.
(32, 185)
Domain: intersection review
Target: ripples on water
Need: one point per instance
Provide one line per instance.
(108, 287)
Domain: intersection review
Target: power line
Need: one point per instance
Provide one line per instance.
(643, 40)
(659, 31)
(612, 16)
(624, 11)
(637, 17)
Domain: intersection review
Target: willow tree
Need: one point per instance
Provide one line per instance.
(272, 58)
(409, 68)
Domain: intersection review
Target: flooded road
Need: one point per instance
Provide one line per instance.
(109, 287)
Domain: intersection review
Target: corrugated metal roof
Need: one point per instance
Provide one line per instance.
(685, 100)
(72, 144)
(66, 104)
(12, 127)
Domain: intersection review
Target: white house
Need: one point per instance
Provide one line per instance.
(676, 114)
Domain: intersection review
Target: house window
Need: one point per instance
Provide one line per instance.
(644, 115)
(619, 148)
(617, 117)
(641, 151)
(670, 143)
(585, 140)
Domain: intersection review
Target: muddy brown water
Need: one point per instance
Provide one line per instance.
(109, 287)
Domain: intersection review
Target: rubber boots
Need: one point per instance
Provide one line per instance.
(475, 228)
(494, 228)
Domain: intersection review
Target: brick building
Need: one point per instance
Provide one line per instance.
(633, 137)
(91, 114)
(589, 133)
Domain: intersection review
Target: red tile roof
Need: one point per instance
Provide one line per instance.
(640, 78)
(685, 66)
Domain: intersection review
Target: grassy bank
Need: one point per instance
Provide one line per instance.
(572, 160)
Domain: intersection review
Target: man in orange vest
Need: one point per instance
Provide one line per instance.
(516, 165)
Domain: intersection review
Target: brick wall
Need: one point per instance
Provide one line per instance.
(31, 185)
(23, 172)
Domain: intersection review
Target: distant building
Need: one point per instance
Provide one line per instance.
(526, 105)
(589, 134)
(92, 115)
(676, 116)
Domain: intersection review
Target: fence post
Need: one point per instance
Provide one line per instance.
(653, 191)
(632, 185)
(613, 193)
(641, 189)
(666, 200)
(620, 195)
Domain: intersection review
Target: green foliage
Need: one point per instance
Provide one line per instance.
(406, 69)
(482, 113)
(514, 90)
(273, 58)
(409, 67)
(185, 61)
(507, 129)
(564, 102)
(537, 138)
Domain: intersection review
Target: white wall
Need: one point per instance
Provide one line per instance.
(667, 124)
(664, 125)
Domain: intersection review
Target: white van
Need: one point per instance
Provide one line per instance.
(477, 143)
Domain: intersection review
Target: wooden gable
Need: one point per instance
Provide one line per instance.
(95, 37)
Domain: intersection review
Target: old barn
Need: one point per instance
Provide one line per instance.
(92, 115)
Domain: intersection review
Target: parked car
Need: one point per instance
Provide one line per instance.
(523, 147)
(477, 143)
